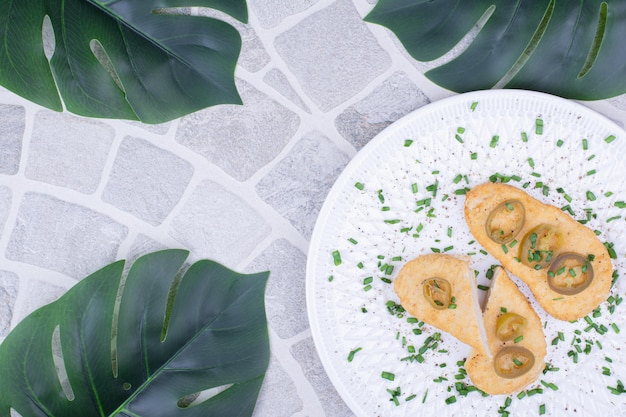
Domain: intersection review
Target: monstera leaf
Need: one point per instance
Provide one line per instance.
(574, 49)
(139, 356)
(122, 59)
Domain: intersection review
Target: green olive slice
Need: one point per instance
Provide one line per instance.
(570, 273)
(513, 361)
(539, 247)
(505, 221)
(510, 326)
(437, 292)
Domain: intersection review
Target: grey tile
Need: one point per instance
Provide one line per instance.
(9, 285)
(5, 205)
(271, 12)
(11, 133)
(216, 224)
(68, 151)
(278, 396)
(240, 139)
(298, 184)
(304, 352)
(285, 297)
(333, 54)
(63, 236)
(279, 82)
(146, 181)
(394, 98)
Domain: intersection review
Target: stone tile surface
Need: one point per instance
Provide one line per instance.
(278, 396)
(279, 82)
(199, 225)
(394, 98)
(72, 158)
(5, 205)
(240, 139)
(146, 181)
(63, 236)
(9, 286)
(272, 12)
(304, 352)
(298, 184)
(11, 134)
(318, 49)
(285, 295)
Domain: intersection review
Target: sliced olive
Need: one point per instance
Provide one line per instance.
(539, 246)
(509, 326)
(570, 273)
(513, 361)
(505, 221)
(437, 292)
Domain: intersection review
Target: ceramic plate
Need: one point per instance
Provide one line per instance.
(402, 196)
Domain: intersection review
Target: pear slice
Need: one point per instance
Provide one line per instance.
(505, 305)
(562, 261)
(440, 290)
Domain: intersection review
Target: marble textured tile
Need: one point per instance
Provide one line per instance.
(68, 151)
(64, 237)
(240, 139)
(272, 12)
(299, 183)
(146, 181)
(394, 98)
(199, 225)
(285, 293)
(278, 396)
(5, 205)
(318, 49)
(38, 294)
(276, 79)
(11, 135)
(304, 352)
(9, 286)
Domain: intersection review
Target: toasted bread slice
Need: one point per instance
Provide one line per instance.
(504, 298)
(462, 318)
(506, 221)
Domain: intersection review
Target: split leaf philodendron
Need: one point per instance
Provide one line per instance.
(124, 59)
(570, 49)
(169, 336)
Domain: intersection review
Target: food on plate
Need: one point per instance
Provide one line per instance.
(440, 290)
(565, 265)
(515, 337)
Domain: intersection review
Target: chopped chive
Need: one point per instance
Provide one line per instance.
(591, 196)
(337, 258)
(494, 141)
(539, 126)
(414, 188)
(542, 409)
(351, 240)
(359, 186)
(531, 162)
(524, 137)
(482, 287)
(458, 138)
(450, 400)
(615, 327)
(559, 143)
(585, 145)
(610, 139)
(352, 353)
(592, 172)
(331, 278)
(518, 339)
(474, 156)
(408, 142)
(388, 375)
(473, 105)
(517, 362)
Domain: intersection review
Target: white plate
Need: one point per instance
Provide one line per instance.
(577, 152)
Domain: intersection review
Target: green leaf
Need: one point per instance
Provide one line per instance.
(123, 59)
(174, 335)
(574, 49)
